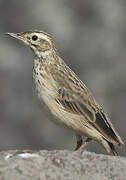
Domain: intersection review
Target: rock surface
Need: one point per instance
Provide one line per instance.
(60, 165)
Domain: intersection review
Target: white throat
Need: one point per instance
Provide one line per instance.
(44, 54)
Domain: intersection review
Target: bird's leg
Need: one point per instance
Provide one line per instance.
(79, 142)
(82, 147)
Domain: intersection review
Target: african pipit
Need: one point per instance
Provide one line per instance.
(66, 96)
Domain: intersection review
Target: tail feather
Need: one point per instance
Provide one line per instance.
(113, 151)
(106, 128)
(109, 147)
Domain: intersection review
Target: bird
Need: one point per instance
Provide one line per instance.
(66, 96)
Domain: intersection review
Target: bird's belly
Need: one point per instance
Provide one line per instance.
(45, 96)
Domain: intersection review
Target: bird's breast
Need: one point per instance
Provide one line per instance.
(43, 86)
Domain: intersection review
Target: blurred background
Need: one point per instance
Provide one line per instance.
(91, 37)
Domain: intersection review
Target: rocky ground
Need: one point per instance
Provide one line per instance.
(60, 165)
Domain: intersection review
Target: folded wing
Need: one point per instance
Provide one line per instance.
(97, 118)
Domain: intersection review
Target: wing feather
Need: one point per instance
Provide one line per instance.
(98, 119)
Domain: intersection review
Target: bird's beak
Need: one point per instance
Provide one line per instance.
(18, 36)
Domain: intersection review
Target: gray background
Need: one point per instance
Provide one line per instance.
(90, 36)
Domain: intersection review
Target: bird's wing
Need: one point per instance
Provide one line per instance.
(97, 118)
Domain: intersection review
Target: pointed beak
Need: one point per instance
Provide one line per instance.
(17, 36)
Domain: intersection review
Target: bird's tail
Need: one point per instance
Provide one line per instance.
(113, 151)
(109, 147)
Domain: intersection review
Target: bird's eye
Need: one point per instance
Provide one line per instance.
(34, 37)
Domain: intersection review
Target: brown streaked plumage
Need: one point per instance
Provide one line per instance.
(65, 94)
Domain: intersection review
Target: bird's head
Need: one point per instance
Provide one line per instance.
(38, 41)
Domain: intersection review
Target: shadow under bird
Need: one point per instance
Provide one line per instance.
(65, 95)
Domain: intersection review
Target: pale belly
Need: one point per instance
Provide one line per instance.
(45, 96)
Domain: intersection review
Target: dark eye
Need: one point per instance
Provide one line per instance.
(34, 38)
